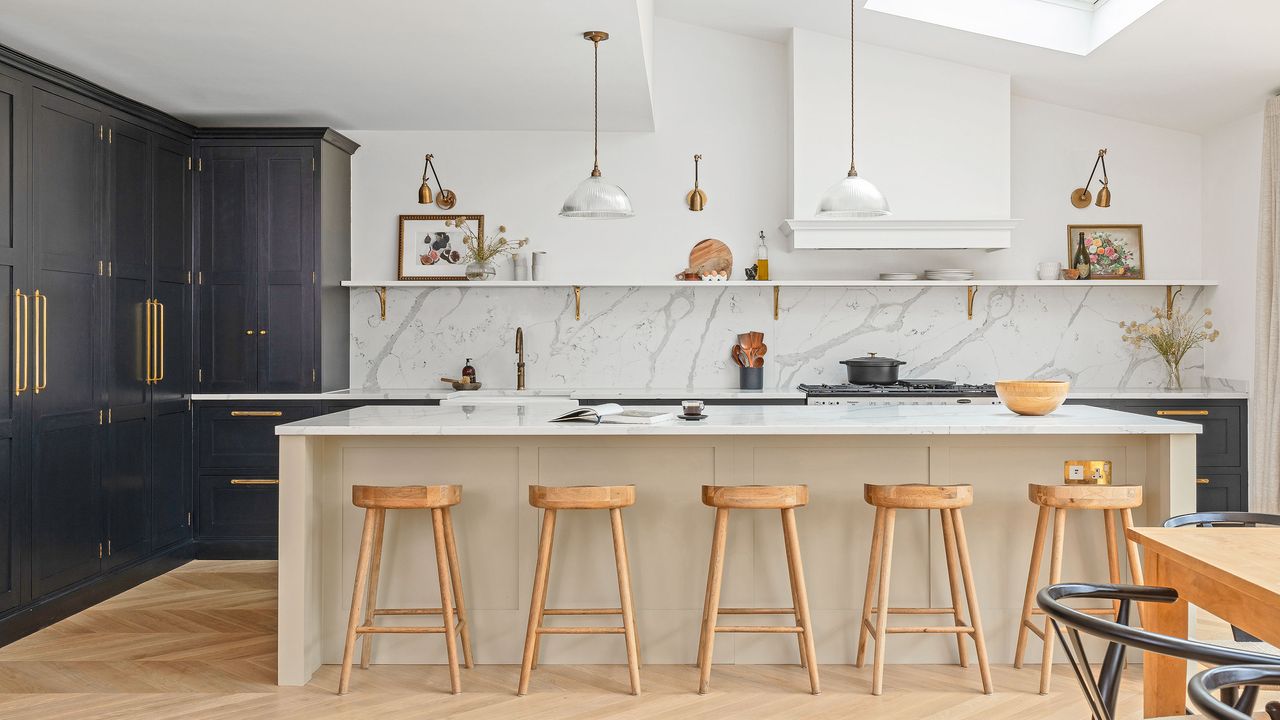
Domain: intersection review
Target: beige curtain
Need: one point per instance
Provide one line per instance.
(1264, 396)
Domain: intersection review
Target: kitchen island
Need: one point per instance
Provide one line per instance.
(496, 451)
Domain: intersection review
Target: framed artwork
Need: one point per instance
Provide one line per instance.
(1115, 251)
(430, 250)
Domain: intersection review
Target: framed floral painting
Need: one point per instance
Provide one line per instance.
(432, 250)
(1115, 251)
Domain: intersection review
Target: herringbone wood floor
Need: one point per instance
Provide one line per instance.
(199, 642)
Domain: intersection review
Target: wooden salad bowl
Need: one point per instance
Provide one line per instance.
(1032, 397)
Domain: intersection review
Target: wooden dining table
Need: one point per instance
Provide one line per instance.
(1233, 573)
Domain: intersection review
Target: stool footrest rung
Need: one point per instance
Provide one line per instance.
(756, 611)
(759, 629)
(932, 630)
(601, 630)
(917, 611)
(1035, 630)
(582, 611)
(398, 630)
(410, 611)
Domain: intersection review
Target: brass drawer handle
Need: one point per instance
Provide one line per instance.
(257, 413)
(254, 481)
(1202, 481)
(1181, 412)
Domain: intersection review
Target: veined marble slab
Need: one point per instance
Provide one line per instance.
(501, 420)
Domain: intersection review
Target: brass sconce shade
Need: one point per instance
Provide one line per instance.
(595, 197)
(852, 197)
(1080, 197)
(696, 198)
(445, 199)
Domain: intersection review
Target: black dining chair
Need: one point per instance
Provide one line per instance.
(1225, 519)
(1100, 691)
(1225, 680)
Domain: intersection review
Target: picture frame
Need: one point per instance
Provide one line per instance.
(430, 250)
(1119, 253)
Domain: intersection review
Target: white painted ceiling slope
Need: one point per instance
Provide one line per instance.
(1186, 64)
(369, 65)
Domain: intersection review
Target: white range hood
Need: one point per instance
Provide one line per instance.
(894, 234)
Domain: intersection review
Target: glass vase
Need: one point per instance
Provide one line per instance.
(1174, 368)
(481, 270)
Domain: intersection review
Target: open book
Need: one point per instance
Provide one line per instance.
(613, 413)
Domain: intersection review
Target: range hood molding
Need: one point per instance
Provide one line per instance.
(898, 234)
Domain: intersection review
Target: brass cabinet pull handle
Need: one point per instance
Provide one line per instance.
(248, 332)
(254, 481)
(257, 413)
(42, 346)
(1181, 412)
(149, 331)
(160, 350)
(1202, 481)
(21, 313)
(262, 332)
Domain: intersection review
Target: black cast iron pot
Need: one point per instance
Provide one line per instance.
(872, 370)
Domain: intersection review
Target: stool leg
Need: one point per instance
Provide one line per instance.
(537, 639)
(971, 594)
(1055, 575)
(357, 596)
(882, 603)
(366, 643)
(446, 599)
(1135, 562)
(796, 569)
(455, 579)
(624, 595)
(795, 600)
(873, 568)
(539, 602)
(953, 579)
(711, 607)
(1033, 580)
(1113, 553)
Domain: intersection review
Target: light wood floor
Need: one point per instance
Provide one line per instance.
(199, 642)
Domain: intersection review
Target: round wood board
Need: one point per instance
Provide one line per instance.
(711, 255)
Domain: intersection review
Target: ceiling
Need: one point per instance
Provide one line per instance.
(1186, 64)
(371, 65)
(409, 64)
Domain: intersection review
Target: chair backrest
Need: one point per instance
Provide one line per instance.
(1227, 679)
(1101, 692)
(1222, 519)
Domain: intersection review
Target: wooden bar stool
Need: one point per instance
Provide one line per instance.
(1112, 500)
(377, 501)
(586, 497)
(947, 500)
(756, 497)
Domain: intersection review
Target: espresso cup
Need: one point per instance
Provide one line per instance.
(692, 407)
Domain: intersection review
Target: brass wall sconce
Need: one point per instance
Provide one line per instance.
(696, 198)
(1080, 197)
(444, 199)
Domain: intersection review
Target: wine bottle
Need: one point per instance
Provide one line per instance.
(1081, 259)
(762, 259)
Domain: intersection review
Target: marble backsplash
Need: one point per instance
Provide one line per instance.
(660, 337)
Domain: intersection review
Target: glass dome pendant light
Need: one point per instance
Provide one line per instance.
(852, 197)
(595, 197)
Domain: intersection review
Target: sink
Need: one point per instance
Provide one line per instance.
(509, 397)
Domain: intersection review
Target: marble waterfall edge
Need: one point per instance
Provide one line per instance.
(671, 338)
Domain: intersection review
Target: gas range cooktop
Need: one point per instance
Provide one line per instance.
(903, 388)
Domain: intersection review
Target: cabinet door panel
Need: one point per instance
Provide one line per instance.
(66, 177)
(171, 473)
(171, 243)
(15, 107)
(231, 510)
(228, 258)
(244, 436)
(285, 291)
(66, 530)
(129, 201)
(126, 490)
(1223, 492)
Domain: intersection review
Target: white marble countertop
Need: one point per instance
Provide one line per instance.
(677, 394)
(500, 420)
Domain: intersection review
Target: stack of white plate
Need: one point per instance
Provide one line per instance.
(948, 274)
(899, 276)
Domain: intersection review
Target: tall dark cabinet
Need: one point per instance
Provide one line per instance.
(273, 245)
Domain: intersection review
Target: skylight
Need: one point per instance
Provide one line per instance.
(1073, 26)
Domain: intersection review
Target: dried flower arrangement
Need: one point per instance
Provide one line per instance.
(1172, 334)
(486, 249)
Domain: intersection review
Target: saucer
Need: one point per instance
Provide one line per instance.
(692, 417)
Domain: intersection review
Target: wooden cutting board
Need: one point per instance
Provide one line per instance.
(711, 255)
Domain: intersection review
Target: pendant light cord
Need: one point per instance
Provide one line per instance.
(853, 170)
(595, 107)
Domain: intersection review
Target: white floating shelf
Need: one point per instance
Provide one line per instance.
(894, 234)
(480, 285)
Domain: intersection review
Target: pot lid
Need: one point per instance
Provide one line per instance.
(872, 361)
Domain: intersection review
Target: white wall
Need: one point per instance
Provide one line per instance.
(1232, 188)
